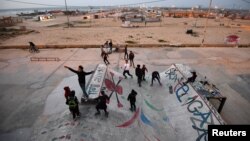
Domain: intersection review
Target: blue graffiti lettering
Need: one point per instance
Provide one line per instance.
(204, 133)
(181, 92)
(171, 74)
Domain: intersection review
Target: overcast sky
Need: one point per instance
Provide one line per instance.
(10, 4)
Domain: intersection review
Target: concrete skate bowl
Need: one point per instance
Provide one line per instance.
(160, 115)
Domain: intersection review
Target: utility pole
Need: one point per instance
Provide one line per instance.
(205, 29)
(67, 12)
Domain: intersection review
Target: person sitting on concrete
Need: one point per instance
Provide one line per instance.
(155, 75)
(72, 101)
(138, 73)
(191, 79)
(101, 105)
(132, 99)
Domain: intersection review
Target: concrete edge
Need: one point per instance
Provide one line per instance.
(122, 45)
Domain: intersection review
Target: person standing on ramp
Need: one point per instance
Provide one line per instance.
(81, 78)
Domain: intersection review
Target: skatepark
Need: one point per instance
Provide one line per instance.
(33, 104)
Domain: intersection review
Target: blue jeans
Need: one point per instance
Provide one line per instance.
(82, 85)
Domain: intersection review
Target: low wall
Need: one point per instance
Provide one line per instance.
(122, 45)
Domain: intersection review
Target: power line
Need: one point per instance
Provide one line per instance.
(32, 3)
(141, 3)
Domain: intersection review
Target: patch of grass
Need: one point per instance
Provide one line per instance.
(149, 36)
(130, 42)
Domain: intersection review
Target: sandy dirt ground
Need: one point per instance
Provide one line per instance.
(97, 31)
(30, 89)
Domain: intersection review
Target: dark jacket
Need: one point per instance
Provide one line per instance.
(131, 56)
(194, 75)
(32, 44)
(144, 69)
(102, 100)
(132, 96)
(81, 75)
(110, 44)
(138, 72)
(155, 74)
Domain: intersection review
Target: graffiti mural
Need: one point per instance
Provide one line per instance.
(196, 106)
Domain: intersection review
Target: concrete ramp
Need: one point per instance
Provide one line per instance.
(160, 116)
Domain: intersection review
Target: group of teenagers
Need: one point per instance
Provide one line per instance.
(139, 72)
(102, 100)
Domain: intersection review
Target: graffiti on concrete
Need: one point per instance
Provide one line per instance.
(95, 83)
(171, 75)
(152, 107)
(130, 121)
(195, 105)
(145, 120)
(114, 88)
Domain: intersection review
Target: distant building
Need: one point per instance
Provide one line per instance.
(45, 17)
(187, 14)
